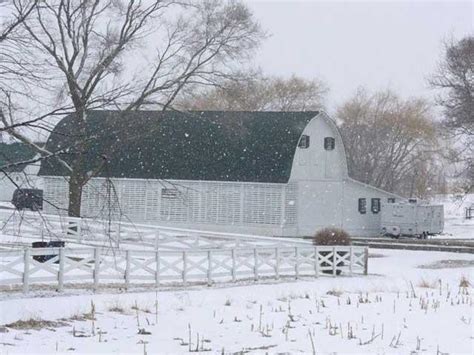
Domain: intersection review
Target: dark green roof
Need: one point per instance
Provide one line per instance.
(208, 145)
(15, 153)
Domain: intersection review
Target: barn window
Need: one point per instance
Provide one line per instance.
(304, 142)
(329, 143)
(391, 200)
(375, 205)
(169, 193)
(362, 205)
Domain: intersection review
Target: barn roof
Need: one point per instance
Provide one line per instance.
(15, 153)
(204, 145)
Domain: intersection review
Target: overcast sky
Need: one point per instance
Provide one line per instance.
(376, 44)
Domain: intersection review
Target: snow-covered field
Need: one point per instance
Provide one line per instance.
(455, 225)
(411, 302)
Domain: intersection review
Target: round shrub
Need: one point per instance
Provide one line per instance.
(332, 236)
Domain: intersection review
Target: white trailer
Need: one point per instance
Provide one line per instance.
(411, 219)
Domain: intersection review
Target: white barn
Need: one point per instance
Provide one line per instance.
(19, 175)
(266, 173)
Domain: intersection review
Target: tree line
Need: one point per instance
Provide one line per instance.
(62, 57)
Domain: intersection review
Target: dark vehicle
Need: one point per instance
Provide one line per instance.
(31, 199)
(51, 244)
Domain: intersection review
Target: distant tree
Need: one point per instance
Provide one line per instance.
(454, 79)
(257, 92)
(390, 142)
(122, 54)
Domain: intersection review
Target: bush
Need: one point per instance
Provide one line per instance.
(332, 236)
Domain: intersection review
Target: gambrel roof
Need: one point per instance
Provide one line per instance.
(204, 145)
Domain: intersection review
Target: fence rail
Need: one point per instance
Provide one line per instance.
(97, 267)
(102, 232)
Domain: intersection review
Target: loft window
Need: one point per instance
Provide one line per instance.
(362, 205)
(304, 142)
(391, 200)
(169, 193)
(375, 205)
(329, 143)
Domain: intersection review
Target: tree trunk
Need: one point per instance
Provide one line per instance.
(75, 196)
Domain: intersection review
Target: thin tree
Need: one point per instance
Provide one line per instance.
(454, 80)
(126, 54)
(390, 142)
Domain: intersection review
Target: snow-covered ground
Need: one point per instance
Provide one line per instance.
(455, 225)
(411, 301)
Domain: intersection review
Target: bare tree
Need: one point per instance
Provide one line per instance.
(454, 79)
(97, 54)
(256, 92)
(390, 142)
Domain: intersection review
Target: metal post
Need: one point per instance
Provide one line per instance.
(366, 261)
(316, 262)
(127, 269)
(209, 268)
(185, 276)
(334, 256)
(296, 263)
(255, 264)
(234, 271)
(96, 267)
(61, 270)
(26, 270)
(277, 263)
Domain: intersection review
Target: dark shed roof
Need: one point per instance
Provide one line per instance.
(14, 153)
(208, 145)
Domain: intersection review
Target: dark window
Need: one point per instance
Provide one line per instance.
(304, 142)
(329, 143)
(375, 205)
(169, 193)
(362, 205)
(391, 200)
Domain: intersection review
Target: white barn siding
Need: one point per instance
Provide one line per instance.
(27, 179)
(246, 207)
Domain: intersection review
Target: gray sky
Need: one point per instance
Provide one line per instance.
(376, 44)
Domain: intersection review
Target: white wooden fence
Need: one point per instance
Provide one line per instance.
(106, 233)
(99, 267)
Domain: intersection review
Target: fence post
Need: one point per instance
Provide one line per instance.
(316, 262)
(351, 260)
(185, 276)
(277, 263)
(26, 270)
(296, 263)
(96, 267)
(334, 257)
(234, 266)
(157, 240)
(157, 271)
(255, 264)
(127, 269)
(61, 270)
(209, 268)
(117, 227)
(366, 261)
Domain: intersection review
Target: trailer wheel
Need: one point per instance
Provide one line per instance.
(424, 235)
